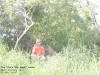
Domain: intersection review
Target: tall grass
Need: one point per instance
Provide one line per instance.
(70, 61)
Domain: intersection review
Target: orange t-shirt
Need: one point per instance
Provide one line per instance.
(39, 50)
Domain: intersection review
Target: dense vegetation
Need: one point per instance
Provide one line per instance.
(64, 25)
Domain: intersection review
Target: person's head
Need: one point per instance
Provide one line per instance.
(38, 42)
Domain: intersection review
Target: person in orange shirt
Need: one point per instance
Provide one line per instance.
(38, 49)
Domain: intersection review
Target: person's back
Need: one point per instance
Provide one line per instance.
(38, 49)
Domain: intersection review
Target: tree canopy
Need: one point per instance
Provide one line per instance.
(57, 23)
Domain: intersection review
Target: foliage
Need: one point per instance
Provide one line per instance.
(71, 61)
(57, 23)
(65, 25)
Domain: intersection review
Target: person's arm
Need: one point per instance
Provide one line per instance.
(43, 51)
(43, 54)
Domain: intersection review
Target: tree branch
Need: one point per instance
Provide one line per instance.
(27, 17)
